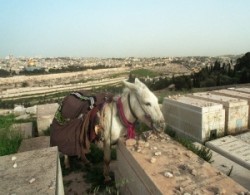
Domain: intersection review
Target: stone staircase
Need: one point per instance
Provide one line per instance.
(35, 168)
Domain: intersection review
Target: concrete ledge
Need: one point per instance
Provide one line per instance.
(232, 148)
(26, 129)
(128, 169)
(32, 172)
(238, 173)
(34, 143)
(45, 115)
(190, 174)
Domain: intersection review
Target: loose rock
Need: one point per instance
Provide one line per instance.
(194, 172)
(157, 153)
(146, 145)
(141, 143)
(32, 180)
(13, 158)
(15, 165)
(130, 142)
(168, 174)
(153, 160)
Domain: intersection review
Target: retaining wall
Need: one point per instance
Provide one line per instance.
(174, 171)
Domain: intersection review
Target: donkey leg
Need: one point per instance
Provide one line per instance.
(84, 159)
(107, 155)
(66, 161)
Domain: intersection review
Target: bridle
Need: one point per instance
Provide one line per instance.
(130, 109)
(146, 115)
(130, 125)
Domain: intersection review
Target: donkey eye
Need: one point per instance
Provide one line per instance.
(148, 104)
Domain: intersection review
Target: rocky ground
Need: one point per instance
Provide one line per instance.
(75, 184)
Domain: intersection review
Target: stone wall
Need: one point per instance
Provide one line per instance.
(162, 166)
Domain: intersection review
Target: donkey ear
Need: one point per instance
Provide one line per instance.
(129, 85)
(139, 83)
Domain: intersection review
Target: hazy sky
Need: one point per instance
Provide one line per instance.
(116, 28)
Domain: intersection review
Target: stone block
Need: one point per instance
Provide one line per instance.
(32, 172)
(232, 148)
(197, 119)
(130, 172)
(34, 143)
(236, 111)
(241, 89)
(19, 110)
(235, 94)
(23, 117)
(26, 129)
(176, 171)
(31, 110)
(244, 137)
(238, 173)
(45, 115)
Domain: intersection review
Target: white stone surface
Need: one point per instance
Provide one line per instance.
(236, 110)
(242, 89)
(45, 115)
(225, 100)
(194, 118)
(23, 117)
(19, 110)
(244, 137)
(232, 148)
(190, 173)
(235, 94)
(31, 110)
(40, 166)
(26, 129)
(34, 143)
(238, 173)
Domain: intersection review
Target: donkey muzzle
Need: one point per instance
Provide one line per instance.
(159, 126)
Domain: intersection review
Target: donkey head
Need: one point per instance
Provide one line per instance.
(145, 105)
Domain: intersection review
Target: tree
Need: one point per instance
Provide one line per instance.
(4, 73)
(243, 62)
(242, 68)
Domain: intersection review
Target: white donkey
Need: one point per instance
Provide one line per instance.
(137, 102)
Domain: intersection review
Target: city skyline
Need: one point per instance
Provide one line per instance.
(106, 29)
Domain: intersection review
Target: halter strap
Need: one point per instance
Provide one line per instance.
(130, 126)
(145, 113)
(130, 108)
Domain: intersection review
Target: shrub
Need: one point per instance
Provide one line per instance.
(9, 140)
(202, 152)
